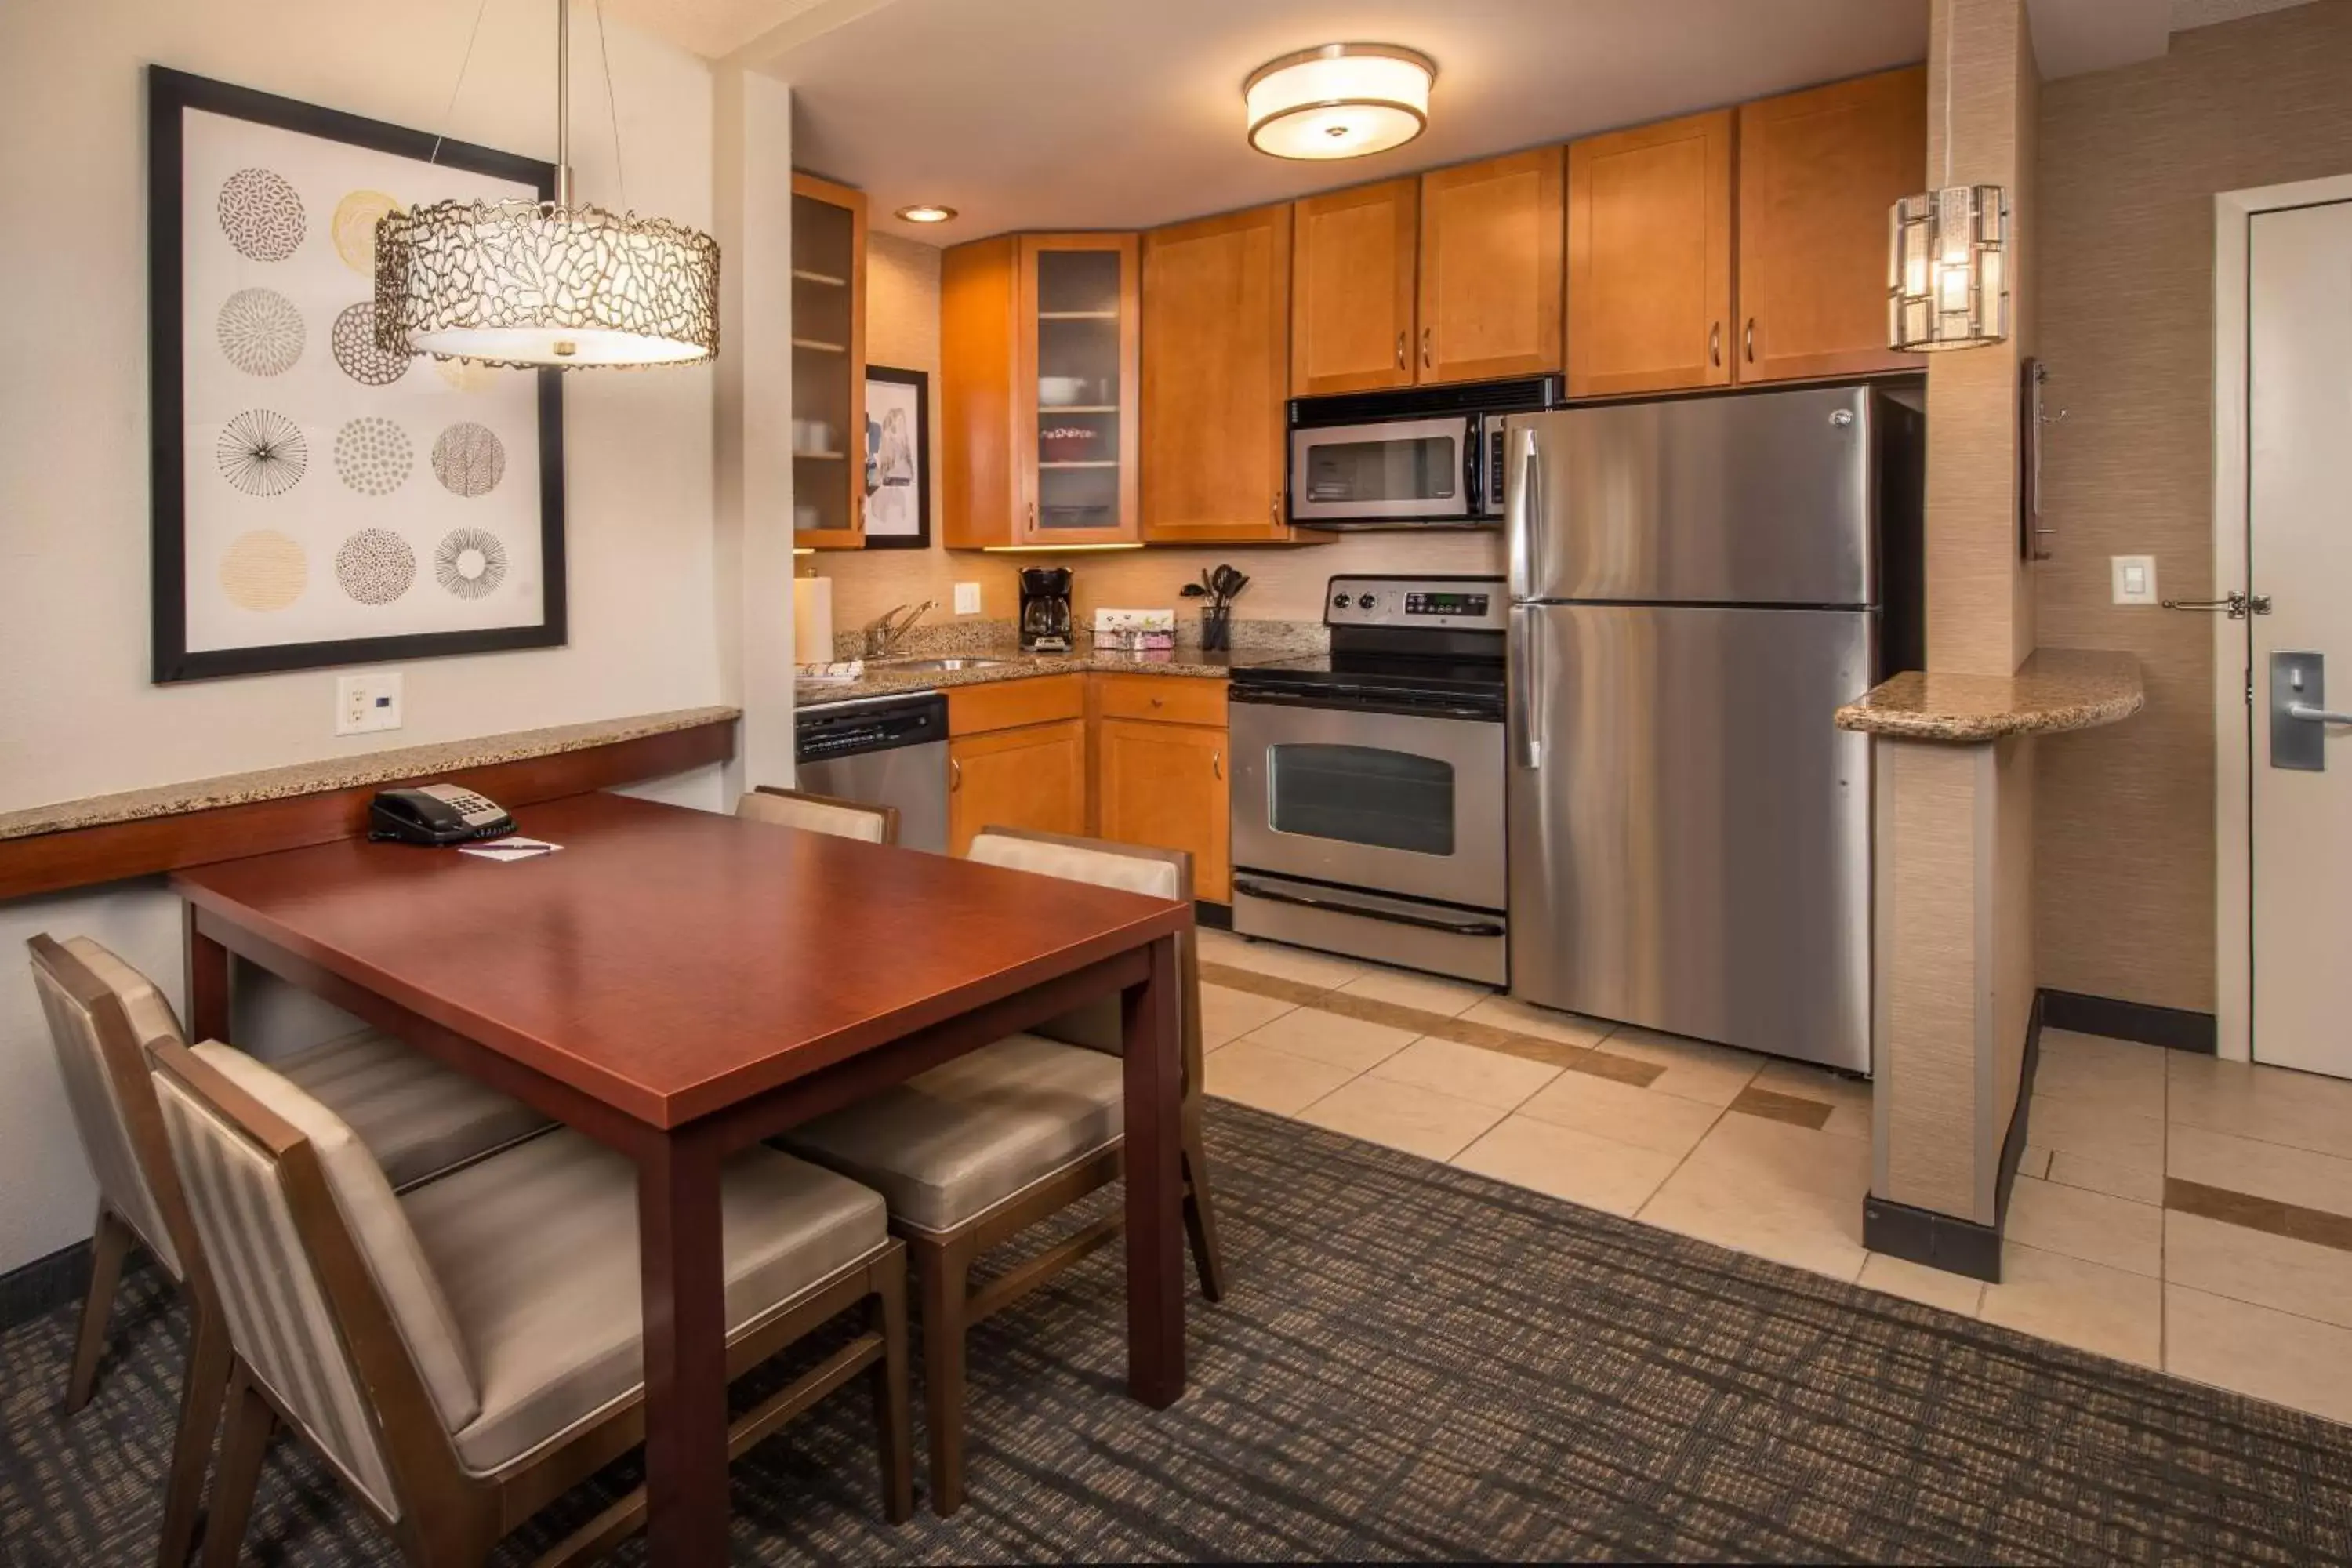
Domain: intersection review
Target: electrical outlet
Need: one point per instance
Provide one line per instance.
(2134, 578)
(967, 598)
(367, 703)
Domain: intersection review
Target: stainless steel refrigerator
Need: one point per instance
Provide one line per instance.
(1697, 586)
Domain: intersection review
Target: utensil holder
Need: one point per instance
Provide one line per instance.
(1217, 629)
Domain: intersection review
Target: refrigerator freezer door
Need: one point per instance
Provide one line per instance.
(1764, 498)
(1690, 834)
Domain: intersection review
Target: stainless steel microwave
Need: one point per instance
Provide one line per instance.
(1422, 456)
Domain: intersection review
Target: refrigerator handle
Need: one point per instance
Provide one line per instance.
(1525, 700)
(1525, 520)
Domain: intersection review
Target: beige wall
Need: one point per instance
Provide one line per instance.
(2131, 160)
(902, 328)
(77, 715)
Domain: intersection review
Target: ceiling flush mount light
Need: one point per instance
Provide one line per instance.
(539, 285)
(1341, 100)
(1948, 256)
(925, 211)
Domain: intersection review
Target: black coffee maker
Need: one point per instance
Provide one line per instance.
(1045, 609)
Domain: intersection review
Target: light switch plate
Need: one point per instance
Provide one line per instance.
(367, 703)
(967, 598)
(2134, 578)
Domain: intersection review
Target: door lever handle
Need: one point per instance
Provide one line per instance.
(2311, 715)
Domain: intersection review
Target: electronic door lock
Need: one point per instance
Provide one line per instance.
(2299, 718)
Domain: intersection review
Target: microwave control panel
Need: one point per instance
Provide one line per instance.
(1438, 604)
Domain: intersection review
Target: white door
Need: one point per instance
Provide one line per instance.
(2299, 553)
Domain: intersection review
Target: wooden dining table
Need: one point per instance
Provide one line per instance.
(678, 984)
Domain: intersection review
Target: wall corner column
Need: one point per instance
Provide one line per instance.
(752, 608)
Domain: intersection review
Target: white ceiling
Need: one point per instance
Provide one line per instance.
(1127, 113)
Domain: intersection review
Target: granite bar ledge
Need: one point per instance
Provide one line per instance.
(2054, 691)
(348, 773)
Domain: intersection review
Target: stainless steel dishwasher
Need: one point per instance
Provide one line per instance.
(881, 751)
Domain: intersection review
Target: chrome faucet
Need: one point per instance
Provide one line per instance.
(886, 632)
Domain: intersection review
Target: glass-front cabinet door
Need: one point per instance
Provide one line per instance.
(1076, 388)
(828, 425)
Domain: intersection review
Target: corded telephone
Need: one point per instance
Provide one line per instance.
(437, 814)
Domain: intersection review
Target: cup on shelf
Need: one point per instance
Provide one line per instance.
(1061, 391)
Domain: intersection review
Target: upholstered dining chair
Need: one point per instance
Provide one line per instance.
(418, 1118)
(463, 1354)
(979, 1148)
(820, 814)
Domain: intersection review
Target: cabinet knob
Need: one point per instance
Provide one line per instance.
(1752, 340)
(1425, 361)
(1217, 764)
(1715, 345)
(1400, 351)
(955, 775)
(1157, 702)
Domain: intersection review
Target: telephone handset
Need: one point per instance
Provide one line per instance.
(437, 814)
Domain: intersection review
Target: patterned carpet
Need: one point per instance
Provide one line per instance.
(1415, 1363)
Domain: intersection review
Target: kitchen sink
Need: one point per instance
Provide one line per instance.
(940, 663)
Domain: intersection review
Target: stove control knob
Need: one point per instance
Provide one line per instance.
(1340, 601)
(1364, 601)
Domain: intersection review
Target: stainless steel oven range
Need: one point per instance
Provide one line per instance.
(1368, 782)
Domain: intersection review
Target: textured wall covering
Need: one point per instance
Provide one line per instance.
(1979, 596)
(2129, 163)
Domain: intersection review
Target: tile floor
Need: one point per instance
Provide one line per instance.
(2171, 1210)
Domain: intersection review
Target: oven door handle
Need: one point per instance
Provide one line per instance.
(1336, 906)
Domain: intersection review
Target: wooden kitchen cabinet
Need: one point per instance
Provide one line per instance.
(1649, 257)
(1353, 264)
(1490, 268)
(1216, 374)
(828, 359)
(1818, 170)
(1039, 391)
(1164, 785)
(1034, 776)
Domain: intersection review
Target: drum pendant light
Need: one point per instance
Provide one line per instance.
(538, 285)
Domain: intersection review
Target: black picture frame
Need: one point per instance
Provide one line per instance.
(170, 93)
(920, 382)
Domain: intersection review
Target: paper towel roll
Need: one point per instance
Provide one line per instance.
(812, 620)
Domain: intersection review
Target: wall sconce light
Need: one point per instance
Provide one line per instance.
(1947, 271)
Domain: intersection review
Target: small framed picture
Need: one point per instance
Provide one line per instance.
(897, 459)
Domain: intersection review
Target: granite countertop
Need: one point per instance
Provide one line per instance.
(2055, 690)
(884, 677)
(440, 758)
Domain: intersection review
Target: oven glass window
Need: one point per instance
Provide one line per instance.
(1358, 794)
(1422, 468)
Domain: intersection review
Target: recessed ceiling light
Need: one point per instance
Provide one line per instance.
(925, 211)
(1340, 100)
